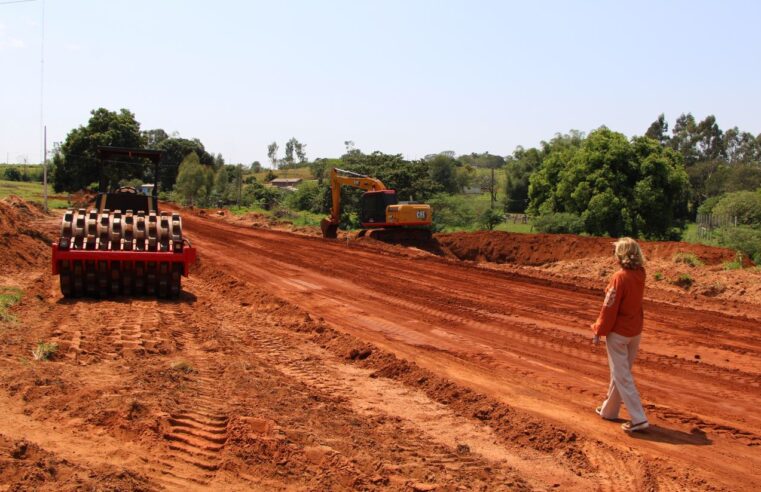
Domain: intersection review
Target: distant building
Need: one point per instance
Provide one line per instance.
(146, 189)
(286, 182)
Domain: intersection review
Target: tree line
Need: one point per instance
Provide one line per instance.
(603, 183)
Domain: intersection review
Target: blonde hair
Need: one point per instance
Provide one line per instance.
(629, 254)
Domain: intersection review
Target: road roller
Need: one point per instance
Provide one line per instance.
(122, 244)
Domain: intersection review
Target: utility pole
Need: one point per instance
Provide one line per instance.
(491, 188)
(240, 182)
(45, 168)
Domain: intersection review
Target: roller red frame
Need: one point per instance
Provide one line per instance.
(187, 256)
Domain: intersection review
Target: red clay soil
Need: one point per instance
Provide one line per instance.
(21, 243)
(540, 249)
(298, 363)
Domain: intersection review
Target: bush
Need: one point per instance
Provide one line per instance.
(559, 223)
(452, 212)
(490, 218)
(707, 206)
(745, 205)
(304, 198)
(746, 240)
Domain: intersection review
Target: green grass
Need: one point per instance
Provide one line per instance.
(44, 350)
(31, 192)
(9, 296)
(688, 259)
(518, 228)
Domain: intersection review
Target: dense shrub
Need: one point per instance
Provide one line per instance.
(745, 239)
(745, 205)
(559, 223)
(452, 211)
(305, 197)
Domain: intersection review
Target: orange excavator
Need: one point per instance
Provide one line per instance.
(381, 213)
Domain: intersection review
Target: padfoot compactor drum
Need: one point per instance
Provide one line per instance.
(122, 245)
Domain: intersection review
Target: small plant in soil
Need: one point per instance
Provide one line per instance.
(688, 259)
(732, 265)
(44, 350)
(8, 297)
(658, 276)
(684, 280)
(183, 366)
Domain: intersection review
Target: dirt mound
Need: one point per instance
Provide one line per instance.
(21, 243)
(540, 249)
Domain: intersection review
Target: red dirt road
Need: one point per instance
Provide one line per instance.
(525, 343)
(296, 363)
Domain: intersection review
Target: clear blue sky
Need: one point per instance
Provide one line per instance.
(413, 77)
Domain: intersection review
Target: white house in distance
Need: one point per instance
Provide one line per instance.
(146, 189)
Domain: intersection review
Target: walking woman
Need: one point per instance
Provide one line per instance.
(620, 322)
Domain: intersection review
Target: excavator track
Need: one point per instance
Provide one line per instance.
(88, 259)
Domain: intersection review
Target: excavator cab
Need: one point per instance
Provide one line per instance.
(373, 205)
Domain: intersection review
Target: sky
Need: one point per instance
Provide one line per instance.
(413, 77)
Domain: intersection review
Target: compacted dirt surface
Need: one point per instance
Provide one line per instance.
(292, 362)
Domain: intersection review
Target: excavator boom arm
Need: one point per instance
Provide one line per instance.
(348, 178)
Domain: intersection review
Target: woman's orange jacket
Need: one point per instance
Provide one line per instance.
(622, 310)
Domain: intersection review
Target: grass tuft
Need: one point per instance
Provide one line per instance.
(44, 350)
(684, 280)
(9, 296)
(688, 259)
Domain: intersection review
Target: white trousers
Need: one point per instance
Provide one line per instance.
(621, 354)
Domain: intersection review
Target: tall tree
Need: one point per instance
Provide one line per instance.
(658, 130)
(76, 165)
(272, 153)
(616, 186)
(289, 148)
(193, 180)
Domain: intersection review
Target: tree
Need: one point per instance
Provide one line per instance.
(256, 167)
(175, 150)
(443, 170)
(518, 169)
(272, 153)
(618, 187)
(194, 180)
(289, 148)
(658, 130)
(76, 165)
(485, 159)
(300, 149)
(152, 138)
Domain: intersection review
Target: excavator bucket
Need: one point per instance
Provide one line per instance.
(329, 229)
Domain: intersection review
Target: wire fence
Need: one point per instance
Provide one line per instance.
(709, 223)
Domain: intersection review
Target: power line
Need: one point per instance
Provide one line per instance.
(16, 1)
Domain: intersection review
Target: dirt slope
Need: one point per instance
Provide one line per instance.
(295, 363)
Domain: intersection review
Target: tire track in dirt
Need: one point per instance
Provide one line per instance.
(534, 342)
(341, 284)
